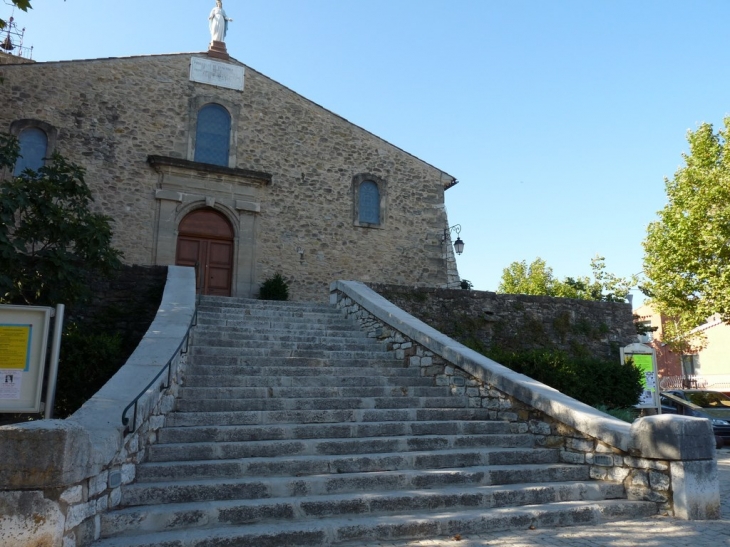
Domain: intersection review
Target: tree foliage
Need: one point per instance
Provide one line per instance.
(20, 4)
(50, 240)
(537, 278)
(687, 251)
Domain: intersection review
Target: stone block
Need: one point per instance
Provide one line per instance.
(672, 437)
(76, 514)
(69, 540)
(572, 457)
(27, 518)
(414, 361)
(129, 471)
(115, 497)
(28, 463)
(98, 484)
(659, 481)
(696, 490)
(72, 495)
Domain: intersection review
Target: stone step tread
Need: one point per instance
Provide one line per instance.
(288, 352)
(299, 327)
(270, 306)
(322, 403)
(239, 381)
(235, 381)
(311, 392)
(284, 371)
(333, 531)
(341, 447)
(285, 335)
(291, 316)
(152, 492)
(257, 417)
(247, 433)
(205, 344)
(351, 463)
(248, 511)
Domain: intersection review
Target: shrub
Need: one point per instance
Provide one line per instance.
(274, 288)
(592, 381)
(87, 361)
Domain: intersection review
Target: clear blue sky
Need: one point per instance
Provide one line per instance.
(560, 118)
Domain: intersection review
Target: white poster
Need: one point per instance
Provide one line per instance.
(10, 383)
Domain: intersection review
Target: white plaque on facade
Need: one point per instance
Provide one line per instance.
(216, 73)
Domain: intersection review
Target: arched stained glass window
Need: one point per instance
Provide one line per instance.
(369, 203)
(33, 146)
(213, 135)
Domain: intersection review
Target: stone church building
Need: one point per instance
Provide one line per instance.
(201, 159)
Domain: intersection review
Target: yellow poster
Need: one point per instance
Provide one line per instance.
(15, 347)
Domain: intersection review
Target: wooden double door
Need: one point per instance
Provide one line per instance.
(205, 239)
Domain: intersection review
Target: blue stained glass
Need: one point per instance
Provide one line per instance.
(369, 201)
(212, 135)
(33, 145)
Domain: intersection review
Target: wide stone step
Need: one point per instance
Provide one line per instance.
(352, 463)
(239, 512)
(311, 392)
(149, 493)
(276, 325)
(289, 352)
(332, 431)
(230, 380)
(434, 524)
(319, 447)
(293, 316)
(186, 419)
(285, 335)
(216, 303)
(331, 345)
(326, 403)
(204, 361)
(284, 371)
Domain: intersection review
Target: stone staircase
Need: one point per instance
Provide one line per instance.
(294, 428)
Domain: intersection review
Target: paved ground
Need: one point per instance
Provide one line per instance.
(654, 532)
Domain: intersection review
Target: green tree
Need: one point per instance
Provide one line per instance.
(537, 278)
(687, 251)
(20, 4)
(50, 240)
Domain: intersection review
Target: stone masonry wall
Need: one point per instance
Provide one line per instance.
(111, 114)
(482, 320)
(643, 479)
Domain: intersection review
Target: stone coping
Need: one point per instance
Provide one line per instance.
(552, 402)
(55, 453)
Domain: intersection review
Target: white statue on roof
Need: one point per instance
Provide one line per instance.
(218, 22)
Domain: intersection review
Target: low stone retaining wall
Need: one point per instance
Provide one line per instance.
(58, 476)
(666, 459)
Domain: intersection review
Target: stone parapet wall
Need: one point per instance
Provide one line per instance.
(666, 460)
(59, 476)
(484, 320)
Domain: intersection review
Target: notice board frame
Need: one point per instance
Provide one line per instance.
(650, 395)
(23, 344)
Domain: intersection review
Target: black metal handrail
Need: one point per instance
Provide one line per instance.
(168, 366)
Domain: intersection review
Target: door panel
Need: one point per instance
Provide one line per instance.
(205, 238)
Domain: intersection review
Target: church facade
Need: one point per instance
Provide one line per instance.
(201, 160)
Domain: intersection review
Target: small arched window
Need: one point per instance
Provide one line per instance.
(33, 146)
(213, 135)
(369, 203)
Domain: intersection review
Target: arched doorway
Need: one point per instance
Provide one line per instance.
(205, 237)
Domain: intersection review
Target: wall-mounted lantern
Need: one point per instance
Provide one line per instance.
(458, 244)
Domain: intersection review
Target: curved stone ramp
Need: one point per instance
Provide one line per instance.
(294, 428)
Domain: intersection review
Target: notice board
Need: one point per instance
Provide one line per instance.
(644, 357)
(23, 342)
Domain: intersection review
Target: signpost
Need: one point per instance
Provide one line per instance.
(23, 341)
(644, 357)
